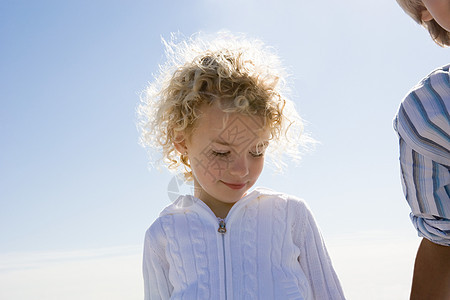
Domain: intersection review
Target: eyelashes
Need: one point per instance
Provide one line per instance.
(220, 154)
(257, 154)
(227, 153)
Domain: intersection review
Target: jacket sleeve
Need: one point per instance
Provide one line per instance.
(155, 265)
(315, 260)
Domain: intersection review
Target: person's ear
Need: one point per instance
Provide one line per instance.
(426, 16)
(180, 144)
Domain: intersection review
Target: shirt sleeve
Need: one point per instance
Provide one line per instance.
(423, 127)
(155, 266)
(426, 185)
(315, 260)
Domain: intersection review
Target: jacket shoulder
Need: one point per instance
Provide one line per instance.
(291, 201)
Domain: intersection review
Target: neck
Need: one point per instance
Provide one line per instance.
(219, 208)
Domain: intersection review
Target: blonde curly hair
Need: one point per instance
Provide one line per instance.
(244, 74)
(414, 9)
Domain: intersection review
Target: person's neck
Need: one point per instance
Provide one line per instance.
(219, 208)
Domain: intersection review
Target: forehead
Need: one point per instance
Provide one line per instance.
(229, 128)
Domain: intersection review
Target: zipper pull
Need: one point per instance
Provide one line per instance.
(221, 228)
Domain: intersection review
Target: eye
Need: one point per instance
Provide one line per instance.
(220, 154)
(259, 150)
(257, 154)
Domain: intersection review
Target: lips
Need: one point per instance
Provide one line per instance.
(234, 186)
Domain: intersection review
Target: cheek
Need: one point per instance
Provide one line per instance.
(440, 10)
(209, 168)
(257, 167)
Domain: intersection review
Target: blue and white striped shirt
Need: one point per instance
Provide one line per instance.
(423, 127)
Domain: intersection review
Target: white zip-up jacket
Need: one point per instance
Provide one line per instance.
(268, 247)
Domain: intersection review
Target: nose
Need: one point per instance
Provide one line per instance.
(239, 167)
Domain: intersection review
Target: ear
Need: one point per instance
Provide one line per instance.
(426, 16)
(180, 143)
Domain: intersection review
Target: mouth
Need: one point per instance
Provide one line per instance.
(234, 186)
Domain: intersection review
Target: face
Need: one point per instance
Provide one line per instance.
(226, 154)
(439, 10)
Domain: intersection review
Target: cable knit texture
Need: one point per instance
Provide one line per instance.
(272, 249)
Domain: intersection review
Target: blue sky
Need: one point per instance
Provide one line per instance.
(72, 175)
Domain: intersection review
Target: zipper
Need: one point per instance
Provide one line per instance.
(207, 212)
(222, 230)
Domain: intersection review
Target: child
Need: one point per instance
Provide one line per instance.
(217, 108)
(423, 127)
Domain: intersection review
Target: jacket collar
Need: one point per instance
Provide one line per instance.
(186, 203)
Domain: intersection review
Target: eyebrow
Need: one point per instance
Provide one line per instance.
(223, 143)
